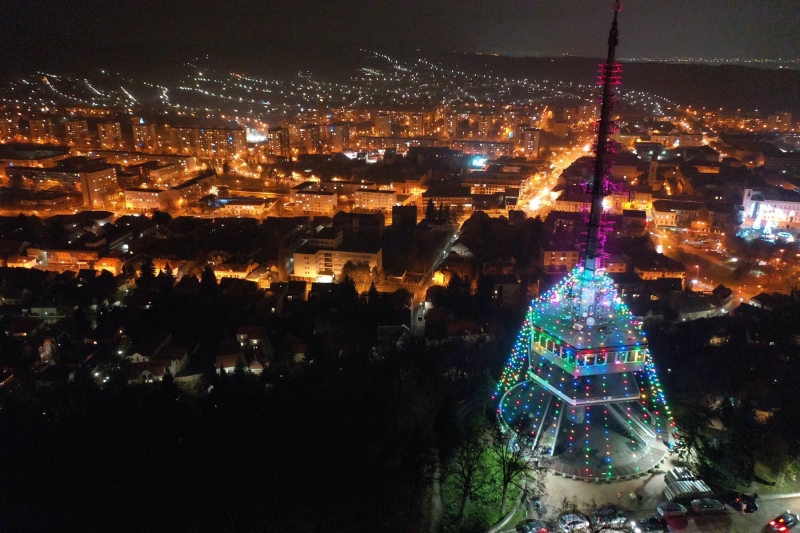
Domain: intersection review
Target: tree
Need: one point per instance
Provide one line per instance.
(468, 469)
(348, 293)
(161, 217)
(359, 272)
(514, 461)
(208, 281)
(147, 273)
(165, 279)
(430, 210)
(373, 296)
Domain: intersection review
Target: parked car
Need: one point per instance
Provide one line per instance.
(572, 522)
(609, 516)
(737, 500)
(784, 522)
(534, 526)
(708, 506)
(668, 509)
(653, 523)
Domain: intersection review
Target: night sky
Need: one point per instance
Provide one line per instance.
(50, 33)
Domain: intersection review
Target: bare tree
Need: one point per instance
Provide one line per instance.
(516, 462)
(468, 469)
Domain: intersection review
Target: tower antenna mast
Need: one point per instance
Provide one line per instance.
(610, 78)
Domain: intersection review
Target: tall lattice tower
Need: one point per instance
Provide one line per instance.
(580, 385)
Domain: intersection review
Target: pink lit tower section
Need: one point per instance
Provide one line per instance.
(580, 388)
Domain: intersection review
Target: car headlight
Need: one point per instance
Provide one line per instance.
(637, 530)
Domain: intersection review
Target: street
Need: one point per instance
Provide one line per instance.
(710, 269)
(651, 487)
(535, 199)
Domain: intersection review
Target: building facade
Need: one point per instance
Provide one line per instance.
(110, 134)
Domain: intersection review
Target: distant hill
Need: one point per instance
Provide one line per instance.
(727, 86)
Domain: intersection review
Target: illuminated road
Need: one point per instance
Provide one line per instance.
(708, 268)
(535, 197)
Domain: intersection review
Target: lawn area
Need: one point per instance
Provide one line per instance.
(483, 509)
(770, 484)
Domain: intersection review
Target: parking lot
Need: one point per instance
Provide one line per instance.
(651, 488)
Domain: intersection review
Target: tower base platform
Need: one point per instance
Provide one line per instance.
(607, 441)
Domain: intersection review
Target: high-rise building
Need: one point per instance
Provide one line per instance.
(94, 179)
(451, 126)
(221, 143)
(278, 142)
(41, 130)
(180, 140)
(144, 137)
(383, 125)
(77, 133)
(308, 137)
(485, 127)
(779, 122)
(110, 134)
(208, 142)
(8, 129)
(418, 125)
(339, 136)
(530, 142)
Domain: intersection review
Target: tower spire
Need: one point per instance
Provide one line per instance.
(609, 78)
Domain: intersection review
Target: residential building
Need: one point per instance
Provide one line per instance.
(243, 207)
(559, 257)
(369, 225)
(211, 142)
(491, 150)
(374, 200)
(278, 142)
(41, 130)
(324, 258)
(93, 178)
(221, 143)
(309, 138)
(651, 265)
(145, 138)
(77, 133)
(779, 122)
(671, 213)
(530, 142)
(383, 125)
(8, 129)
(110, 134)
(340, 136)
(144, 200)
(310, 200)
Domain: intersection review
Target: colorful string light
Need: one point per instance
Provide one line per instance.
(555, 365)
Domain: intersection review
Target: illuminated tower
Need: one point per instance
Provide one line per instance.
(580, 386)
